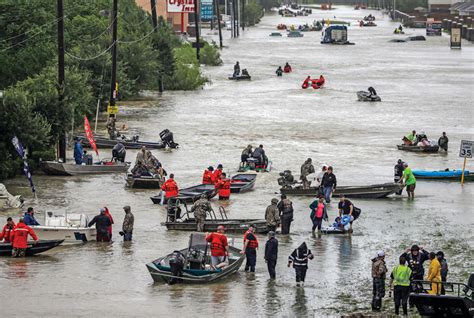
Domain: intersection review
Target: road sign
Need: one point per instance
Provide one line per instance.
(181, 6)
(455, 38)
(194, 45)
(466, 149)
(112, 110)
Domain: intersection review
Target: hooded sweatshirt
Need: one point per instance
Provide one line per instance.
(300, 256)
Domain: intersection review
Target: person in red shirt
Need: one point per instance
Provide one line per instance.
(217, 175)
(109, 229)
(306, 82)
(207, 177)
(219, 248)
(7, 229)
(250, 248)
(287, 68)
(223, 186)
(19, 238)
(170, 187)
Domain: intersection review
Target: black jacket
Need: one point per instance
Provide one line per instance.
(271, 249)
(416, 263)
(300, 256)
(398, 171)
(329, 180)
(102, 223)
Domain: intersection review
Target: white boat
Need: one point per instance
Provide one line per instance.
(8, 201)
(71, 227)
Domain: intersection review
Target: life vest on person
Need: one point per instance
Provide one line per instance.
(287, 69)
(223, 185)
(217, 246)
(171, 188)
(306, 83)
(207, 177)
(19, 235)
(252, 243)
(6, 232)
(216, 176)
(318, 83)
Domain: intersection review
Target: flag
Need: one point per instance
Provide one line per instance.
(26, 169)
(89, 135)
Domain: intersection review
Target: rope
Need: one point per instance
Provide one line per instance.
(90, 58)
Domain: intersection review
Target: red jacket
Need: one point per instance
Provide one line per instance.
(223, 185)
(287, 69)
(252, 243)
(217, 175)
(218, 243)
(109, 229)
(19, 235)
(171, 188)
(306, 83)
(207, 177)
(5, 235)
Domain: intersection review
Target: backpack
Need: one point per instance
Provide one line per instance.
(356, 212)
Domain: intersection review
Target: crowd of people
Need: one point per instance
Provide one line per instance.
(146, 164)
(255, 158)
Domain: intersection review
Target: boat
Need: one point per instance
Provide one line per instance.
(449, 175)
(240, 78)
(132, 143)
(197, 269)
(32, 249)
(364, 96)
(252, 165)
(369, 18)
(144, 182)
(70, 228)
(295, 34)
(275, 34)
(333, 230)
(458, 300)
(427, 149)
(368, 24)
(242, 182)
(281, 26)
(70, 169)
(9, 201)
(373, 191)
(231, 225)
(189, 195)
(336, 34)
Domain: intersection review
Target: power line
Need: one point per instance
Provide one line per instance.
(102, 33)
(29, 31)
(90, 58)
(141, 39)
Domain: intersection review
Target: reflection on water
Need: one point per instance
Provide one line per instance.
(300, 304)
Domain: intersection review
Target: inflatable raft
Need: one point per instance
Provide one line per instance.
(452, 175)
(364, 96)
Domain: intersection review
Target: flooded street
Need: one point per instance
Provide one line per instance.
(423, 85)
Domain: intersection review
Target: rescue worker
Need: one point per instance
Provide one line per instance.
(111, 128)
(217, 175)
(250, 248)
(259, 154)
(141, 156)
(29, 217)
(19, 238)
(400, 284)
(200, 208)
(102, 223)
(176, 262)
(329, 183)
(246, 154)
(444, 270)
(306, 82)
(372, 91)
(409, 180)
(170, 188)
(379, 272)
(272, 215)
(319, 83)
(109, 228)
(236, 69)
(127, 225)
(346, 207)
(434, 275)
(307, 168)
(223, 187)
(78, 151)
(287, 68)
(416, 256)
(299, 258)
(398, 173)
(7, 230)
(271, 254)
(279, 71)
(318, 213)
(207, 175)
(443, 141)
(285, 207)
(219, 248)
(410, 139)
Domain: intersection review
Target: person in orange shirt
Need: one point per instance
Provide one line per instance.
(19, 238)
(219, 248)
(170, 187)
(250, 248)
(207, 176)
(223, 187)
(217, 175)
(109, 229)
(7, 229)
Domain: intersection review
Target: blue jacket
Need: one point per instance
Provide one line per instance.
(78, 152)
(29, 219)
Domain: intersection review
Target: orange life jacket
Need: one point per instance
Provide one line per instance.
(19, 235)
(218, 243)
(223, 185)
(252, 243)
(171, 188)
(216, 176)
(207, 177)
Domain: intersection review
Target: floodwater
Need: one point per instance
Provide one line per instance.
(424, 86)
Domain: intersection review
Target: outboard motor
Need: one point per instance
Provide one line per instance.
(176, 262)
(119, 152)
(168, 139)
(135, 138)
(286, 179)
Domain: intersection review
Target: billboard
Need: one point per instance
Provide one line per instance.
(180, 6)
(207, 10)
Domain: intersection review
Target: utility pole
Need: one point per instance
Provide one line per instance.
(196, 21)
(61, 154)
(242, 20)
(232, 21)
(219, 22)
(155, 28)
(112, 108)
(237, 16)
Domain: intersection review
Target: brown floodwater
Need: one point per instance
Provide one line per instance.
(423, 85)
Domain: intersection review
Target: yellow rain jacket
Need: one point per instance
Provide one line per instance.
(434, 276)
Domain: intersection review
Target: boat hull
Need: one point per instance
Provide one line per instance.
(70, 235)
(452, 175)
(32, 249)
(189, 195)
(69, 169)
(103, 142)
(240, 78)
(243, 182)
(376, 191)
(428, 149)
(231, 225)
(143, 182)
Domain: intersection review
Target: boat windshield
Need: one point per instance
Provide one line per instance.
(196, 258)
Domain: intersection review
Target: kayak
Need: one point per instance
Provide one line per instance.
(364, 96)
(454, 175)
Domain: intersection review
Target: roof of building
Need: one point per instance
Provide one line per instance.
(463, 6)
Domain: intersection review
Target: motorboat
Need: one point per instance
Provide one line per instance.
(70, 228)
(448, 175)
(242, 182)
(144, 182)
(71, 169)
(196, 268)
(253, 164)
(364, 96)
(188, 195)
(9, 201)
(32, 249)
(336, 34)
(427, 149)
